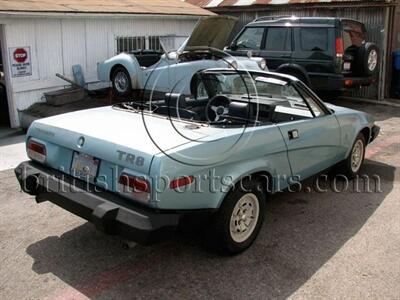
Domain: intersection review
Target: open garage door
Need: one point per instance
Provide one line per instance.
(4, 109)
(4, 112)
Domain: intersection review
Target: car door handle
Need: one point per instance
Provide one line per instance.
(293, 134)
(286, 56)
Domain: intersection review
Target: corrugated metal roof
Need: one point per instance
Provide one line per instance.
(226, 3)
(173, 7)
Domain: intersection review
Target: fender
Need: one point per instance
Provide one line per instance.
(351, 124)
(280, 181)
(350, 135)
(129, 62)
(201, 194)
(296, 68)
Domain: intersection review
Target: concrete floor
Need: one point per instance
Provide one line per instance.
(12, 148)
(312, 246)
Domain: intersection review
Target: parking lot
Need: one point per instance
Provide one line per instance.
(312, 245)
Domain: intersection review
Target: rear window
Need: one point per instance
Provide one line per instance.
(353, 34)
(251, 38)
(278, 39)
(314, 39)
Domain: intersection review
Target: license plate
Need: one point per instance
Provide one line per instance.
(347, 66)
(84, 166)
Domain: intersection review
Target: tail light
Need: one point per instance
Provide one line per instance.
(134, 187)
(36, 151)
(181, 182)
(339, 47)
(348, 83)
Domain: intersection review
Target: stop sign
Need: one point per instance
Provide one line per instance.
(20, 55)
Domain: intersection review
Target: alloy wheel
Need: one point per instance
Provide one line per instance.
(244, 217)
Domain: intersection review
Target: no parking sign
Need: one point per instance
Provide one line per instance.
(20, 58)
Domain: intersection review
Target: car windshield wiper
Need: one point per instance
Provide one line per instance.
(243, 47)
(266, 95)
(248, 96)
(299, 105)
(136, 106)
(254, 96)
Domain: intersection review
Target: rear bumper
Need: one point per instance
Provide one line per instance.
(325, 82)
(107, 211)
(350, 82)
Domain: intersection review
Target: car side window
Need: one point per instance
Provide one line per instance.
(295, 108)
(317, 110)
(353, 39)
(353, 34)
(278, 39)
(251, 38)
(314, 39)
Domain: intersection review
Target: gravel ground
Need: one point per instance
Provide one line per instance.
(313, 246)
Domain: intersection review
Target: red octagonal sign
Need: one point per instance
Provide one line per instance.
(20, 55)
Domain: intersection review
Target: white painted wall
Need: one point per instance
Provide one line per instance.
(58, 43)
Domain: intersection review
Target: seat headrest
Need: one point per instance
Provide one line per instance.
(175, 100)
(239, 110)
(172, 112)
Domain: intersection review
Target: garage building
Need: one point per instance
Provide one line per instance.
(40, 38)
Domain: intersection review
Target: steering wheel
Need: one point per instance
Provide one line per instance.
(217, 107)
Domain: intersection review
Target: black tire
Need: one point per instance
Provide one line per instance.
(347, 168)
(362, 65)
(117, 88)
(219, 233)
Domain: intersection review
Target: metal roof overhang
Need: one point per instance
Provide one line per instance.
(102, 7)
(216, 5)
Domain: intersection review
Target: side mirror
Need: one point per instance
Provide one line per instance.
(172, 55)
(233, 47)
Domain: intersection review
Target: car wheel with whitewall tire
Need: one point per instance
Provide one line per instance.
(353, 163)
(237, 223)
(121, 82)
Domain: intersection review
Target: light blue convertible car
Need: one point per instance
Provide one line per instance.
(140, 169)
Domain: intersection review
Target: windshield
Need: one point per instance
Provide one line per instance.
(250, 85)
(173, 43)
(232, 99)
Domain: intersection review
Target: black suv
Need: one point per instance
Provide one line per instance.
(328, 54)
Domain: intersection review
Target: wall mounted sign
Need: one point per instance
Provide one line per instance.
(20, 61)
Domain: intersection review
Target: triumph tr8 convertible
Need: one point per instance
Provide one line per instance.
(138, 169)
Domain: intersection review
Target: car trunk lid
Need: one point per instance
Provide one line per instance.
(120, 137)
